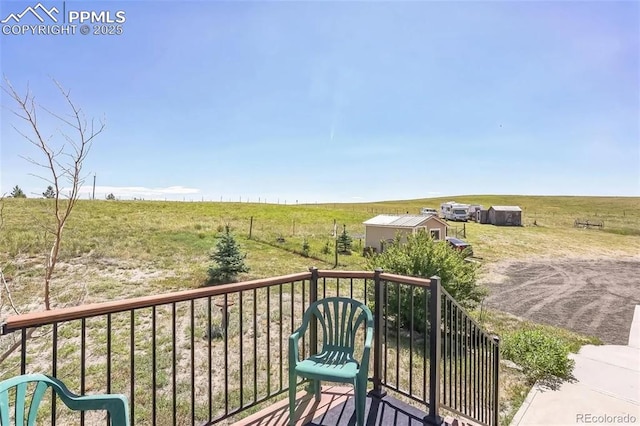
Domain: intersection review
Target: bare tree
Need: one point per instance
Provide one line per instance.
(62, 161)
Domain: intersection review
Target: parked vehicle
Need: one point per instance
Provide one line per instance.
(427, 211)
(445, 209)
(460, 245)
(454, 211)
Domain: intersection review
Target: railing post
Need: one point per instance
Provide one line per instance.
(377, 335)
(434, 350)
(313, 324)
(496, 378)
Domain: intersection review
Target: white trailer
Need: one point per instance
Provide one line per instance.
(454, 211)
(445, 208)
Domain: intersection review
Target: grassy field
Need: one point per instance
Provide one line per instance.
(124, 248)
(121, 249)
(548, 225)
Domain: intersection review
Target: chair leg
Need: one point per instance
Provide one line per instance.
(292, 398)
(317, 387)
(360, 399)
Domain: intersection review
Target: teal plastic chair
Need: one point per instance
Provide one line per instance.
(116, 405)
(339, 319)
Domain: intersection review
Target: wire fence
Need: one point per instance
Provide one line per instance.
(317, 240)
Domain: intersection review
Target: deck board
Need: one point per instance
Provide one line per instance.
(306, 408)
(336, 408)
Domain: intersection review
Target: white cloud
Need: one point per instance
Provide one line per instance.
(140, 191)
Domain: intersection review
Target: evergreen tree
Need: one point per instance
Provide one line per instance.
(344, 241)
(49, 193)
(305, 248)
(228, 260)
(17, 192)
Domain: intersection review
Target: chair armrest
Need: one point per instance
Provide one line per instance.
(367, 348)
(293, 339)
(293, 348)
(116, 404)
(368, 338)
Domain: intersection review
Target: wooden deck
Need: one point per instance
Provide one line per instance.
(306, 408)
(336, 408)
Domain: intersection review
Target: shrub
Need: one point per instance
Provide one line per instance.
(421, 256)
(326, 249)
(305, 248)
(368, 251)
(229, 260)
(541, 355)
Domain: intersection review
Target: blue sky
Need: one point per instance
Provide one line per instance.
(341, 101)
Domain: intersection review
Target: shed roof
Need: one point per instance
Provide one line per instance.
(506, 208)
(404, 221)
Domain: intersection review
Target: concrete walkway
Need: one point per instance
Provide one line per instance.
(606, 390)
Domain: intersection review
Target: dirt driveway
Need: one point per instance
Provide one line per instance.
(594, 297)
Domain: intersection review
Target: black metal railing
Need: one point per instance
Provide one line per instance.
(432, 351)
(201, 356)
(470, 365)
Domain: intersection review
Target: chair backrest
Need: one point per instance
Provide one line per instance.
(21, 396)
(339, 319)
(15, 392)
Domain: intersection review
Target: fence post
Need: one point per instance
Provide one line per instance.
(496, 379)
(250, 227)
(377, 335)
(434, 350)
